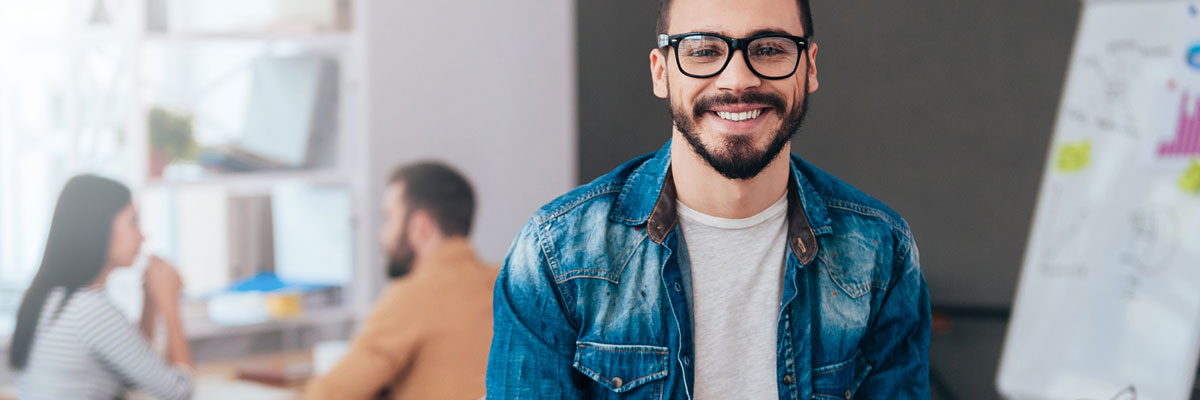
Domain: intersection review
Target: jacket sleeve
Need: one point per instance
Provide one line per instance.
(533, 338)
(897, 344)
(380, 353)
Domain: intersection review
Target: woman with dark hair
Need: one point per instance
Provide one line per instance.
(71, 342)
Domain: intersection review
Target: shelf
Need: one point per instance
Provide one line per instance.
(203, 329)
(249, 180)
(332, 38)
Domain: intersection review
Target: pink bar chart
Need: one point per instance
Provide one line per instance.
(1187, 133)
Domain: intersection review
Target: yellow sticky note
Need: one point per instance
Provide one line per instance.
(1074, 156)
(1190, 181)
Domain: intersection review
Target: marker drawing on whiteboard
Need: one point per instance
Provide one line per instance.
(1064, 251)
(1115, 74)
(1152, 244)
(1186, 142)
(1058, 257)
(1129, 393)
(1109, 110)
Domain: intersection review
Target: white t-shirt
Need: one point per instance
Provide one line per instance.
(737, 282)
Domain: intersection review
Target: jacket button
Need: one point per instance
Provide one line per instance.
(678, 287)
(616, 382)
(686, 361)
(787, 379)
(848, 395)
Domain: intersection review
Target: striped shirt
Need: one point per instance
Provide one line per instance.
(92, 351)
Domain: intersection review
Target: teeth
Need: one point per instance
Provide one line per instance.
(739, 117)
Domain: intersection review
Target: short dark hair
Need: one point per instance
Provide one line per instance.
(440, 191)
(664, 13)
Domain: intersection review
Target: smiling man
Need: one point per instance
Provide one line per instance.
(721, 266)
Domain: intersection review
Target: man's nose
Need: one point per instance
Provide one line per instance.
(737, 76)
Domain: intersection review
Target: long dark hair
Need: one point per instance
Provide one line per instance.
(76, 251)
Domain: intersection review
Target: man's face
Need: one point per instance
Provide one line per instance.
(393, 235)
(701, 108)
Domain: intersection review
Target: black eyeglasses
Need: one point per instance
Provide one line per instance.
(705, 55)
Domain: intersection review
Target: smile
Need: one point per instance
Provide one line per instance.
(739, 116)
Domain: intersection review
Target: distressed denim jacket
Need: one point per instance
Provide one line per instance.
(592, 300)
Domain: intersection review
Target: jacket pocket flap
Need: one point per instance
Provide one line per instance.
(621, 368)
(840, 380)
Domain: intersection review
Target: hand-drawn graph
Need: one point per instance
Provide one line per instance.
(1187, 132)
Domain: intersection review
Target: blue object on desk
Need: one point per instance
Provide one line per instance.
(246, 300)
(269, 282)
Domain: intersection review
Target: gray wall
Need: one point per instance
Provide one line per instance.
(941, 108)
(486, 86)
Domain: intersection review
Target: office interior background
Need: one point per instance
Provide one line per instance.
(258, 135)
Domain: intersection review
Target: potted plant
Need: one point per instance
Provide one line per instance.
(170, 139)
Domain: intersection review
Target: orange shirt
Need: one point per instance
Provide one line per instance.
(428, 336)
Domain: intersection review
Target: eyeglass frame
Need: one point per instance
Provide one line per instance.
(734, 44)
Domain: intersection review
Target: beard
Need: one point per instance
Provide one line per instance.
(400, 264)
(737, 157)
(400, 261)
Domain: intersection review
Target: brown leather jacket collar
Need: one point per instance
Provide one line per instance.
(801, 238)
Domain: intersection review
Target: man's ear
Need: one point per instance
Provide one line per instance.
(658, 72)
(812, 68)
(422, 227)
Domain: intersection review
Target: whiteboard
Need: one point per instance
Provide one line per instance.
(1108, 302)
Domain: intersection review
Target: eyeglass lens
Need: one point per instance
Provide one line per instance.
(772, 57)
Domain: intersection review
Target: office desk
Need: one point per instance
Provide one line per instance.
(218, 380)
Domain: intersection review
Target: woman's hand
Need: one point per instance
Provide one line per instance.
(161, 283)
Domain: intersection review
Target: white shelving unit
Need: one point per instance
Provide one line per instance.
(346, 47)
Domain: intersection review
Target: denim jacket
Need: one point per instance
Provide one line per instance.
(591, 301)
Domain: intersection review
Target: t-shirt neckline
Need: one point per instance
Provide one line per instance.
(772, 212)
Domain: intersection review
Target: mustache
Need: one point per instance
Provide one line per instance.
(703, 104)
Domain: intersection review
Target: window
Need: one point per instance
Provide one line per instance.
(66, 97)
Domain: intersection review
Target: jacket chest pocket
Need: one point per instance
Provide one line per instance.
(636, 370)
(840, 380)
